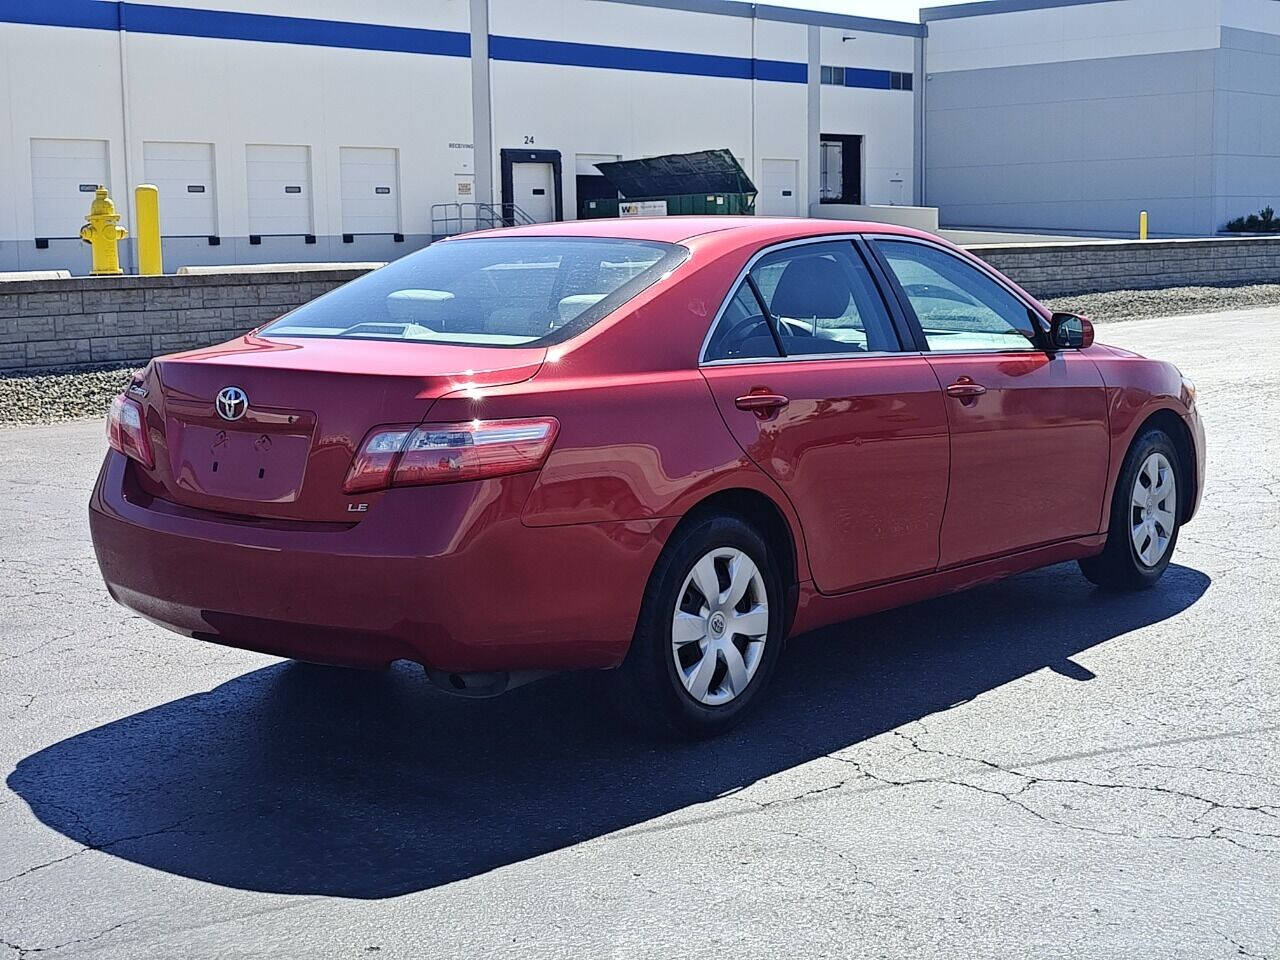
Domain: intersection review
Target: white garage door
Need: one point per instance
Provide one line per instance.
(65, 174)
(533, 189)
(370, 189)
(183, 173)
(778, 193)
(279, 181)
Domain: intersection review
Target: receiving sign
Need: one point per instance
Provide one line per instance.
(642, 208)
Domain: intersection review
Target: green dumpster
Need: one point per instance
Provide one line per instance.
(706, 182)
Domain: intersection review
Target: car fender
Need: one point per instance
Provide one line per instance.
(634, 447)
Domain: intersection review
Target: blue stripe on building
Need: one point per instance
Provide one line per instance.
(224, 25)
(563, 53)
(266, 28)
(89, 14)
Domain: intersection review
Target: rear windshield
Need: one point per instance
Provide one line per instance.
(502, 292)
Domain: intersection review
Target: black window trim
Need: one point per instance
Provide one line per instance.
(1040, 325)
(897, 320)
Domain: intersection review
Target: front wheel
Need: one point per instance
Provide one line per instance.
(1145, 512)
(709, 632)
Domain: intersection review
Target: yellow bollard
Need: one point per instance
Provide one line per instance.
(1142, 225)
(146, 200)
(103, 234)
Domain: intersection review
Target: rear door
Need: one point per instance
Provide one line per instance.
(1029, 437)
(809, 373)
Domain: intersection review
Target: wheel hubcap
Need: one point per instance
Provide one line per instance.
(720, 625)
(1153, 509)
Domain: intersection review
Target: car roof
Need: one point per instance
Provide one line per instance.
(681, 229)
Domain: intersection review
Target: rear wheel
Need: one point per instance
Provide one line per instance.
(708, 635)
(1144, 517)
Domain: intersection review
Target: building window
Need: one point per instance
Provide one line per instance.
(865, 78)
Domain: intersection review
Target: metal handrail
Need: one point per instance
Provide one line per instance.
(448, 219)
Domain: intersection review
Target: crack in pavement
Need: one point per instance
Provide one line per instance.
(24, 952)
(90, 848)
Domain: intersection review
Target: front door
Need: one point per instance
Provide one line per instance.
(810, 377)
(1029, 435)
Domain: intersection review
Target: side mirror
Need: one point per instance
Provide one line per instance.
(1067, 331)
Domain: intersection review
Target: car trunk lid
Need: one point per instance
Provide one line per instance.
(293, 412)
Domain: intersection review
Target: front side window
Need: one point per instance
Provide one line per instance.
(808, 300)
(499, 291)
(959, 307)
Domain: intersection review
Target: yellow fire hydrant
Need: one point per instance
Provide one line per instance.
(103, 234)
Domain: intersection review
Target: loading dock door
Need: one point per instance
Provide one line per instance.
(778, 193)
(533, 190)
(183, 173)
(65, 174)
(370, 189)
(591, 184)
(279, 182)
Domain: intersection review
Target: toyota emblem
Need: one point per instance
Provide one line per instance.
(232, 403)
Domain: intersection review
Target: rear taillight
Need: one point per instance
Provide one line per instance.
(449, 452)
(126, 431)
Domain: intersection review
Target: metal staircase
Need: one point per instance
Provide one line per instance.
(449, 219)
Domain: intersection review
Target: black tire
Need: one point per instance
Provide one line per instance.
(647, 692)
(1119, 566)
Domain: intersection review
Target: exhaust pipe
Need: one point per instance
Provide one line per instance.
(481, 684)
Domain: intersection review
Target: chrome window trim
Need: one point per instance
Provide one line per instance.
(979, 265)
(733, 289)
(807, 357)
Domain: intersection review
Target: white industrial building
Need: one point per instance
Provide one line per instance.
(335, 130)
(1075, 115)
(277, 137)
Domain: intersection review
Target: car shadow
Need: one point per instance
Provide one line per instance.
(304, 780)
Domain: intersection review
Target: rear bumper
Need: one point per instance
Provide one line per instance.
(446, 576)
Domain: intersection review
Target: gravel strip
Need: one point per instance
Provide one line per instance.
(1176, 301)
(51, 397)
(69, 395)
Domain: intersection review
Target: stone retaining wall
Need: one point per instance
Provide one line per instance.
(100, 320)
(47, 324)
(1097, 266)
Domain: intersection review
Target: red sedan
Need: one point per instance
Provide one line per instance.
(656, 447)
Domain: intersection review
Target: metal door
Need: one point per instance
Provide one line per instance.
(64, 176)
(279, 182)
(370, 189)
(184, 175)
(533, 190)
(778, 194)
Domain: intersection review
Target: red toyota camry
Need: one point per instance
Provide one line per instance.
(656, 447)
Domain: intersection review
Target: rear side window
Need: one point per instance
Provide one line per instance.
(515, 291)
(808, 300)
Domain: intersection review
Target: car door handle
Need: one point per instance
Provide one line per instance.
(965, 388)
(761, 404)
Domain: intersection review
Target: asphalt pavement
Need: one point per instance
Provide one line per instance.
(1032, 769)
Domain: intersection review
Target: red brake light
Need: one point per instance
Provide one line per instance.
(450, 452)
(126, 431)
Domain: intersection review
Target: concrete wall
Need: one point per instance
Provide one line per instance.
(1246, 111)
(48, 324)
